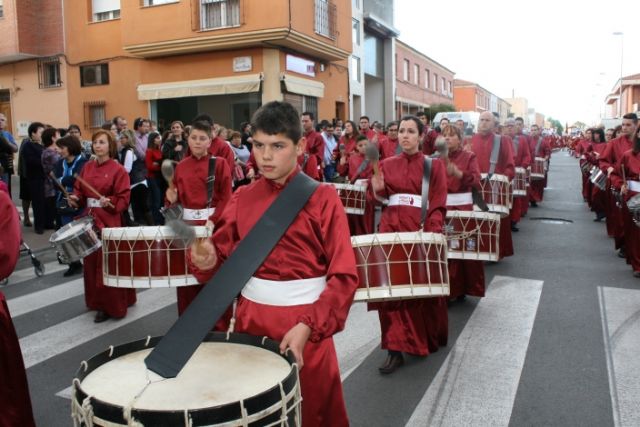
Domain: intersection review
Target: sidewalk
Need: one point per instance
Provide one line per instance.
(37, 242)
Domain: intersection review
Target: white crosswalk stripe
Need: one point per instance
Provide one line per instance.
(37, 300)
(25, 274)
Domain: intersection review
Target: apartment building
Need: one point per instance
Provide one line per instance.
(470, 96)
(170, 59)
(420, 81)
(630, 102)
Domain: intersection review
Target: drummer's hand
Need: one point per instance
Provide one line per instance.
(171, 194)
(251, 174)
(295, 340)
(209, 225)
(343, 160)
(609, 170)
(377, 182)
(105, 202)
(203, 255)
(74, 201)
(624, 189)
(178, 148)
(452, 170)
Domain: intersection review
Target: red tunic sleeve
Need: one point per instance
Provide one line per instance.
(221, 190)
(11, 235)
(437, 198)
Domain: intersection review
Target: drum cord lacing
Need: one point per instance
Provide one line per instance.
(232, 321)
(82, 415)
(127, 410)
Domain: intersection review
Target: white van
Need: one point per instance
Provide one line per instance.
(470, 119)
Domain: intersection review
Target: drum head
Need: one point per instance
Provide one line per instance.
(210, 388)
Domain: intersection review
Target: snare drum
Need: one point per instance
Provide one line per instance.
(538, 168)
(239, 381)
(353, 196)
(146, 257)
(633, 204)
(598, 178)
(473, 235)
(496, 193)
(519, 183)
(394, 266)
(76, 240)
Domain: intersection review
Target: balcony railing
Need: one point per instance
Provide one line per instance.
(325, 22)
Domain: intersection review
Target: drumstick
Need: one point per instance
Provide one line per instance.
(91, 188)
(373, 155)
(167, 170)
(59, 185)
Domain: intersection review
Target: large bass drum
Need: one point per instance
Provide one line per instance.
(473, 235)
(235, 380)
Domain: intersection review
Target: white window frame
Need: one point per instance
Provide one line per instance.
(416, 74)
(105, 10)
(355, 68)
(224, 14)
(427, 76)
(405, 70)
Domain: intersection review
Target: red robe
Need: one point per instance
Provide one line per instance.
(630, 164)
(521, 158)
(609, 158)
(112, 181)
(598, 197)
(190, 179)
(583, 147)
(316, 244)
(14, 389)
(359, 224)
(429, 141)
(466, 277)
(481, 145)
(369, 133)
(536, 187)
(220, 148)
(390, 148)
(416, 326)
(309, 166)
(523, 202)
(315, 146)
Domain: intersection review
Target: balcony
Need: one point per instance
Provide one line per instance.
(325, 19)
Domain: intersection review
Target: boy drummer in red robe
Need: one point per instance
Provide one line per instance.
(302, 292)
(191, 191)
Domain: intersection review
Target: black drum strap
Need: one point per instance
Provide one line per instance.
(538, 144)
(211, 179)
(174, 350)
(361, 169)
(495, 151)
(426, 177)
(516, 145)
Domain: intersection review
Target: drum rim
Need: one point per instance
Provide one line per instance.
(494, 177)
(472, 214)
(85, 220)
(357, 187)
(201, 416)
(132, 233)
(405, 237)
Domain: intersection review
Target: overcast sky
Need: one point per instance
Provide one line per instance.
(560, 55)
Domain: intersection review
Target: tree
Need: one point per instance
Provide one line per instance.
(438, 108)
(555, 124)
(580, 125)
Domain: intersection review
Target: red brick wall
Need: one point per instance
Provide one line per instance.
(40, 27)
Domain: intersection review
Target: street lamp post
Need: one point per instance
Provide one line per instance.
(621, 34)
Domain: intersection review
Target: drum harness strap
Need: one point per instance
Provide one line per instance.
(174, 350)
(426, 177)
(211, 179)
(495, 151)
(361, 169)
(516, 144)
(538, 144)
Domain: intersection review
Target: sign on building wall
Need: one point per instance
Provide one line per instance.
(242, 63)
(301, 66)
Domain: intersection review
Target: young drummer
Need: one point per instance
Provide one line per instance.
(191, 190)
(302, 292)
(415, 326)
(357, 168)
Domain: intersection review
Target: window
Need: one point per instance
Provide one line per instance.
(405, 70)
(219, 13)
(94, 114)
(157, 2)
(326, 19)
(426, 79)
(104, 10)
(416, 74)
(355, 4)
(355, 68)
(94, 75)
(450, 91)
(1, 8)
(49, 72)
(355, 33)
(435, 82)
(444, 85)
(302, 103)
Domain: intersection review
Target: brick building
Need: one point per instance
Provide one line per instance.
(470, 96)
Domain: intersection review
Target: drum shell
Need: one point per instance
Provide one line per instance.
(479, 235)
(538, 168)
(598, 178)
(143, 257)
(230, 413)
(496, 192)
(78, 245)
(353, 197)
(519, 183)
(395, 266)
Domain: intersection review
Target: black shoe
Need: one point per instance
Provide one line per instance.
(622, 253)
(514, 228)
(534, 205)
(74, 268)
(39, 231)
(101, 316)
(636, 274)
(393, 362)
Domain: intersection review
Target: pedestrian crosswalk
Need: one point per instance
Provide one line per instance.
(475, 383)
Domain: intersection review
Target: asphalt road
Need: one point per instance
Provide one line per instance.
(554, 342)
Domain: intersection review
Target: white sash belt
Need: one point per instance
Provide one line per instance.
(197, 214)
(284, 293)
(405, 199)
(459, 199)
(634, 186)
(93, 203)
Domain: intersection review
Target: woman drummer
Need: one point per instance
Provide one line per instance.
(104, 193)
(626, 177)
(466, 277)
(416, 326)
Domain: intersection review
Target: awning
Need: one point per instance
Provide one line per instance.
(411, 102)
(206, 87)
(302, 86)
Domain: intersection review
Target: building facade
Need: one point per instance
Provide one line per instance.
(614, 107)
(520, 108)
(170, 59)
(420, 81)
(470, 96)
